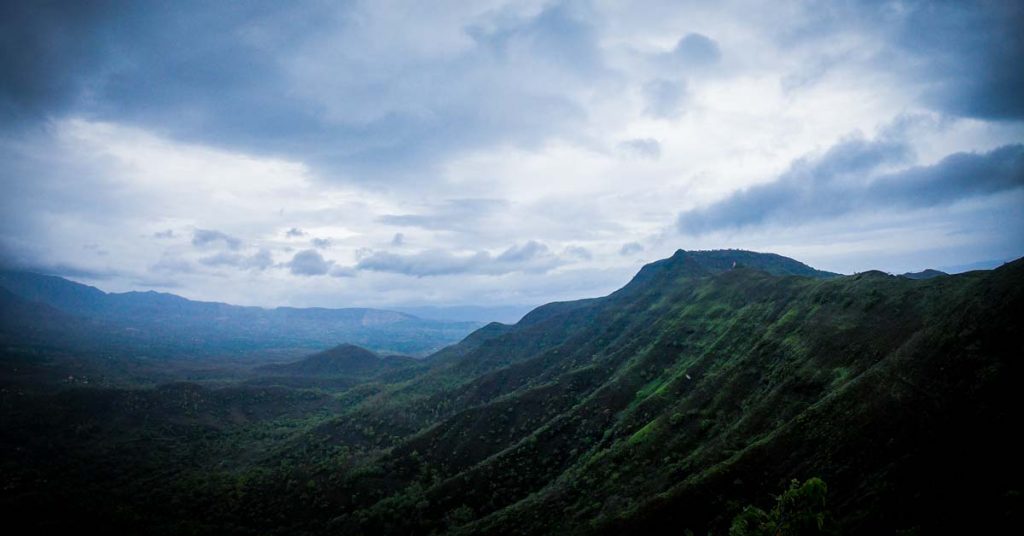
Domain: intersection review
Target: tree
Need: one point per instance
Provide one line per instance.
(799, 511)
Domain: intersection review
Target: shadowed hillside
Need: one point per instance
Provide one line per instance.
(705, 384)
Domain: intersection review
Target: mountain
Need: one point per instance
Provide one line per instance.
(711, 262)
(166, 324)
(35, 324)
(706, 384)
(17, 312)
(924, 274)
(700, 387)
(342, 360)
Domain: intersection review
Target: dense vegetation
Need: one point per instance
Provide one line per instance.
(682, 403)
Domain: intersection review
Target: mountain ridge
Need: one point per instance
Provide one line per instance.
(341, 360)
(164, 323)
(547, 375)
(664, 407)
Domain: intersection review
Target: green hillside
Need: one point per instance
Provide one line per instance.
(706, 384)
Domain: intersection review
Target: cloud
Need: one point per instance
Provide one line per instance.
(629, 248)
(427, 263)
(451, 214)
(74, 271)
(295, 232)
(46, 52)
(963, 58)
(696, 50)
(203, 238)
(665, 98)
(95, 248)
(309, 262)
(398, 239)
(342, 271)
(971, 52)
(531, 257)
(525, 252)
(172, 264)
(578, 252)
(471, 126)
(405, 89)
(841, 182)
(647, 148)
(261, 260)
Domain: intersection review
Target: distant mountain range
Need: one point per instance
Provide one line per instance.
(166, 324)
(924, 274)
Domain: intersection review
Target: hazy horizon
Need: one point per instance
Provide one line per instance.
(505, 313)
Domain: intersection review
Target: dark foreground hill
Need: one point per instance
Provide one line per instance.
(706, 384)
(342, 360)
(166, 325)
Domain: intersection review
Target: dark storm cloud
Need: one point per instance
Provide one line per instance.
(965, 55)
(973, 51)
(208, 237)
(836, 185)
(46, 53)
(142, 61)
(233, 74)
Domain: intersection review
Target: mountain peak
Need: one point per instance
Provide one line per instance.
(924, 274)
(722, 260)
(340, 360)
(702, 263)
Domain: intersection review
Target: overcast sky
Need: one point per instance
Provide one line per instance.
(499, 153)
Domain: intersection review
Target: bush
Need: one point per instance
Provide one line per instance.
(799, 511)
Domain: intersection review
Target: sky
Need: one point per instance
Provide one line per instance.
(494, 153)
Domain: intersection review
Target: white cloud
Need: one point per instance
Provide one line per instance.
(414, 141)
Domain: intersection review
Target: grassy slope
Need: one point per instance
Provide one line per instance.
(668, 405)
(685, 395)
